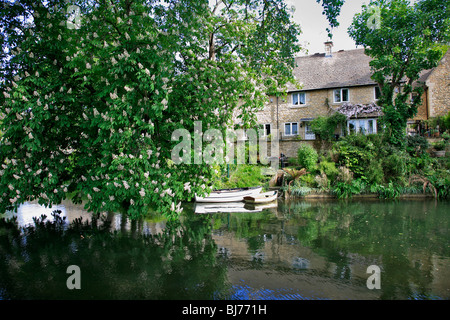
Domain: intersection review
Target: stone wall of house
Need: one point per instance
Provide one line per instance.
(439, 88)
(315, 106)
(289, 147)
(318, 103)
(357, 95)
(422, 109)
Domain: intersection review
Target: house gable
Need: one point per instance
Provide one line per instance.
(438, 83)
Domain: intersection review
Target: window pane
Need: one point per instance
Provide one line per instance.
(287, 129)
(295, 128)
(370, 127)
(295, 99)
(377, 93)
(337, 95)
(302, 98)
(308, 128)
(267, 129)
(344, 94)
(362, 126)
(352, 126)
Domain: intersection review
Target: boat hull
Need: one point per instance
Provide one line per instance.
(232, 207)
(262, 198)
(229, 195)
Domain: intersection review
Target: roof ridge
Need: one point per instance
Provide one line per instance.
(323, 53)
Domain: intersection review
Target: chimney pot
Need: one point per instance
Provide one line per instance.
(328, 48)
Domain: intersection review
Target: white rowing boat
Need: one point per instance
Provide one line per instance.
(229, 195)
(232, 207)
(262, 197)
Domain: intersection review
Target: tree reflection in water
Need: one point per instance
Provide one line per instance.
(178, 263)
(299, 250)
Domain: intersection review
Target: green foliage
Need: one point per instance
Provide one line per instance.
(331, 9)
(439, 123)
(376, 161)
(322, 181)
(440, 179)
(242, 176)
(308, 180)
(328, 168)
(300, 191)
(344, 190)
(443, 143)
(307, 157)
(439, 145)
(446, 136)
(324, 127)
(386, 169)
(446, 122)
(374, 173)
(355, 152)
(92, 109)
(406, 40)
(390, 191)
(416, 145)
(394, 165)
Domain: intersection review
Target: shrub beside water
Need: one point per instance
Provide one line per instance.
(307, 157)
(359, 164)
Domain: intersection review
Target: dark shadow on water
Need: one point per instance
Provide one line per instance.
(178, 263)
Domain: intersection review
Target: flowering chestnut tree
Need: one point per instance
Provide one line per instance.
(92, 90)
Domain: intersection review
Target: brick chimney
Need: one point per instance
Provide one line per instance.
(328, 48)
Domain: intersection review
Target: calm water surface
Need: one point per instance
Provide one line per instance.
(297, 250)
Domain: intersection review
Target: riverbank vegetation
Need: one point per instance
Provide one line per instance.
(368, 164)
(356, 164)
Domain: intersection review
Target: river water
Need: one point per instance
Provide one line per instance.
(296, 250)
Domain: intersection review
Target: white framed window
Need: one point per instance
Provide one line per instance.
(267, 127)
(371, 126)
(341, 95)
(291, 128)
(299, 99)
(364, 126)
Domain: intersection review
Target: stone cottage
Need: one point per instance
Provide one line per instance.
(333, 79)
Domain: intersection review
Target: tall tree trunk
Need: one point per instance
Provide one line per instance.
(212, 48)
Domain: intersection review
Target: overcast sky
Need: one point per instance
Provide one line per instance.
(308, 13)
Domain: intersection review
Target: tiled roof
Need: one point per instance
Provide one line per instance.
(342, 69)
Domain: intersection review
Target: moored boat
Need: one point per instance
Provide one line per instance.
(229, 195)
(262, 197)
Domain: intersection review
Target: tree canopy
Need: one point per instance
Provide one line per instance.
(92, 90)
(407, 39)
(332, 10)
